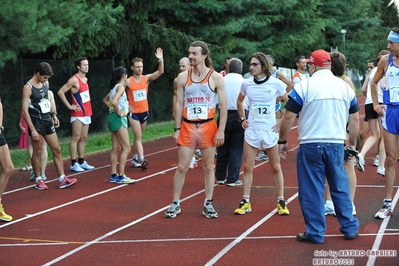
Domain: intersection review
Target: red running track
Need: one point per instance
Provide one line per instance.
(101, 223)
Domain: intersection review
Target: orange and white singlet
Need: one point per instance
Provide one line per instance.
(199, 99)
(82, 98)
(138, 95)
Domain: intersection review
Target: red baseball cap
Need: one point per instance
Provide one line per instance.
(319, 58)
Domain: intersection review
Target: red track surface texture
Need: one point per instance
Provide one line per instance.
(101, 223)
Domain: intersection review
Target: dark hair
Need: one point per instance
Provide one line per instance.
(117, 75)
(299, 58)
(373, 61)
(44, 68)
(235, 65)
(338, 63)
(134, 60)
(79, 61)
(264, 61)
(204, 51)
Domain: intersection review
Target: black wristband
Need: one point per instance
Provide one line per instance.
(176, 129)
(242, 119)
(282, 142)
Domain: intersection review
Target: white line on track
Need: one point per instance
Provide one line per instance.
(381, 232)
(244, 235)
(76, 174)
(85, 198)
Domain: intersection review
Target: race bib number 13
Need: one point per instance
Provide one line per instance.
(197, 111)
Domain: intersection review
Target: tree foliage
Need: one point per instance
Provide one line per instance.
(123, 29)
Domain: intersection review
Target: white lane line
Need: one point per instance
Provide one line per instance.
(244, 235)
(381, 232)
(116, 231)
(77, 174)
(84, 198)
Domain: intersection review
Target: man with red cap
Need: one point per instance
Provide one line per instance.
(324, 103)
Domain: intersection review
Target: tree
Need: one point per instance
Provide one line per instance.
(69, 27)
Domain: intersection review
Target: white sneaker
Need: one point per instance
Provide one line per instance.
(76, 168)
(360, 162)
(329, 208)
(376, 161)
(193, 163)
(381, 170)
(262, 156)
(136, 163)
(86, 166)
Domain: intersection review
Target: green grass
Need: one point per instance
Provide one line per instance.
(96, 142)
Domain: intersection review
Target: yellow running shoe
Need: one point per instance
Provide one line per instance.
(281, 208)
(243, 208)
(4, 216)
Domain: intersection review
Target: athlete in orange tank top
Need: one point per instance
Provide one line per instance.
(137, 91)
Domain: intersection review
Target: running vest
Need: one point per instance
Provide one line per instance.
(39, 103)
(199, 99)
(122, 101)
(391, 90)
(137, 95)
(82, 98)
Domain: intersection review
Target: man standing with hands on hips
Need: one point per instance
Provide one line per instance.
(325, 104)
(81, 112)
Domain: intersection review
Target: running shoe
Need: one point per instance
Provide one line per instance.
(329, 208)
(172, 211)
(262, 157)
(221, 182)
(144, 164)
(193, 163)
(125, 180)
(381, 170)
(281, 208)
(209, 211)
(76, 168)
(113, 178)
(136, 163)
(243, 208)
(383, 212)
(3, 215)
(32, 176)
(68, 182)
(360, 162)
(86, 166)
(198, 155)
(376, 161)
(40, 185)
(237, 183)
(44, 178)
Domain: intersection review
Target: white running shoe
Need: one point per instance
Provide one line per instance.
(193, 163)
(381, 170)
(86, 166)
(76, 168)
(376, 161)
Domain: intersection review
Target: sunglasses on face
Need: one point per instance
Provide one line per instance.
(255, 64)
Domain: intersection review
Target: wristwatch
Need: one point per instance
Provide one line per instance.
(2, 129)
(176, 129)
